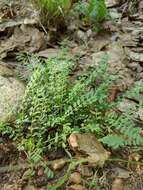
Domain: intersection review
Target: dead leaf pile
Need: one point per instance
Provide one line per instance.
(24, 39)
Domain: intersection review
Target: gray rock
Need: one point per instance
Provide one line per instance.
(11, 93)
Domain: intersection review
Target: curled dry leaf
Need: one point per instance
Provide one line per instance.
(87, 146)
(24, 39)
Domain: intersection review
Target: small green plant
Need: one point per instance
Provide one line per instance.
(52, 12)
(55, 13)
(53, 7)
(27, 64)
(55, 107)
(92, 12)
(5, 129)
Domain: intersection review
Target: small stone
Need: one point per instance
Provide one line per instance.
(75, 178)
(117, 184)
(135, 157)
(122, 173)
(114, 14)
(76, 187)
(11, 94)
(85, 171)
(89, 33)
(58, 164)
(40, 172)
(81, 36)
(40, 181)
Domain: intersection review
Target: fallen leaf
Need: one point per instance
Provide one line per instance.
(87, 146)
(24, 39)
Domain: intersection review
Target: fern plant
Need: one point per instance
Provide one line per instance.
(92, 12)
(124, 130)
(55, 107)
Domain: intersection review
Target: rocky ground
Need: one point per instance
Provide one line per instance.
(122, 40)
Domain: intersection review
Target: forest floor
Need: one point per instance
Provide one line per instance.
(121, 39)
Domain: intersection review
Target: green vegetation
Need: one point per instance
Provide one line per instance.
(93, 12)
(55, 105)
(53, 12)
(52, 9)
(124, 128)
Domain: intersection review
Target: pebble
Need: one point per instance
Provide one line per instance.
(75, 178)
(85, 171)
(117, 184)
(58, 164)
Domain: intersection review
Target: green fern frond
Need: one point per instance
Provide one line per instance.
(114, 141)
